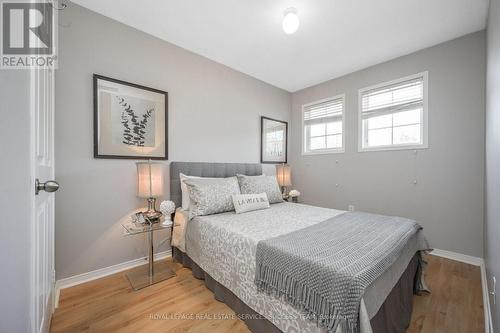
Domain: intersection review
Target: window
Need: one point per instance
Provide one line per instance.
(394, 115)
(323, 126)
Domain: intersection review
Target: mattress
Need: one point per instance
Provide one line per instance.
(224, 246)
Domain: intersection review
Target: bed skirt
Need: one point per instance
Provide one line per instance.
(394, 315)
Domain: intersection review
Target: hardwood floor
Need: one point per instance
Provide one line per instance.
(110, 305)
(455, 303)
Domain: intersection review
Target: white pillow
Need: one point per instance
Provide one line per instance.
(248, 202)
(185, 191)
(186, 201)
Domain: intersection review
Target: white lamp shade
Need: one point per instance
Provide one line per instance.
(149, 179)
(284, 175)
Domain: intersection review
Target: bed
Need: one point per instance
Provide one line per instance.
(221, 249)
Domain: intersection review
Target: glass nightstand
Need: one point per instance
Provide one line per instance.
(152, 272)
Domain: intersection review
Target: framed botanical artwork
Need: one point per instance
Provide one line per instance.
(130, 121)
(274, 140)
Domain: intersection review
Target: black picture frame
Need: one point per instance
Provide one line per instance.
(96, 78)
(263, 160)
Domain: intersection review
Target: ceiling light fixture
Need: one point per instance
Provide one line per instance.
(290, 20)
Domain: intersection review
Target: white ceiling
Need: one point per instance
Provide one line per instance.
(335, 37)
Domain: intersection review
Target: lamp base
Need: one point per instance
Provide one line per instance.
(284, 193)
(152, 214)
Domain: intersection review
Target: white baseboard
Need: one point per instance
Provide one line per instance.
(488, 324)
(476, 261)
(102, 272)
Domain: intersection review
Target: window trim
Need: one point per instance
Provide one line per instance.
(425, 116)
(331, 150)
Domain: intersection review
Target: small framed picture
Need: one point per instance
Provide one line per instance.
(274, 140)
(130, 121)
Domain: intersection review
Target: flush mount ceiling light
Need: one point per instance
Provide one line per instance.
(290, 20)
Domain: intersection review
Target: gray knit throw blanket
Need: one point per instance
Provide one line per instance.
(324, 269)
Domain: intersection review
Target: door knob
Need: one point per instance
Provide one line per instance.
(48, 186)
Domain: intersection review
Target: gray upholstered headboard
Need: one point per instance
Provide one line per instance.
(201, 169)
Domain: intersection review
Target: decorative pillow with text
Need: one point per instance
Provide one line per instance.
(248, 202)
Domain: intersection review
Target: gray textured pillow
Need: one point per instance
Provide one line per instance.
(211, 196)
(259, 184)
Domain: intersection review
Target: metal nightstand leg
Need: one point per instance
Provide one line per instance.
(139, 277)
(151, 273)
(151, 253)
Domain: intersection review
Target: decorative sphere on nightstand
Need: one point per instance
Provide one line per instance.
(294, 194)
(167, 207)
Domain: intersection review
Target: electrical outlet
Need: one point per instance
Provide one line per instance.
(350, 208)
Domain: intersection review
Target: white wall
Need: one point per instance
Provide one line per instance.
(15, 198)
(448, 199)
(492, 215)
(214, 116)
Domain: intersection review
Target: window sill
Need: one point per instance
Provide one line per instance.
(323, 152)
(412, 147)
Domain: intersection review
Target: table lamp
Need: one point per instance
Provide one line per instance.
(284, 176)
(150, 186)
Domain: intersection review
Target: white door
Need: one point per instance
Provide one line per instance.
(42, 222)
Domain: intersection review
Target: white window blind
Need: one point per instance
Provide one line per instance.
(324, 125)
(393, 115)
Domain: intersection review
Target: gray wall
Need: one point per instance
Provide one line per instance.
(214, 116)
(448, 199)
(15, 197)
(492, 216)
